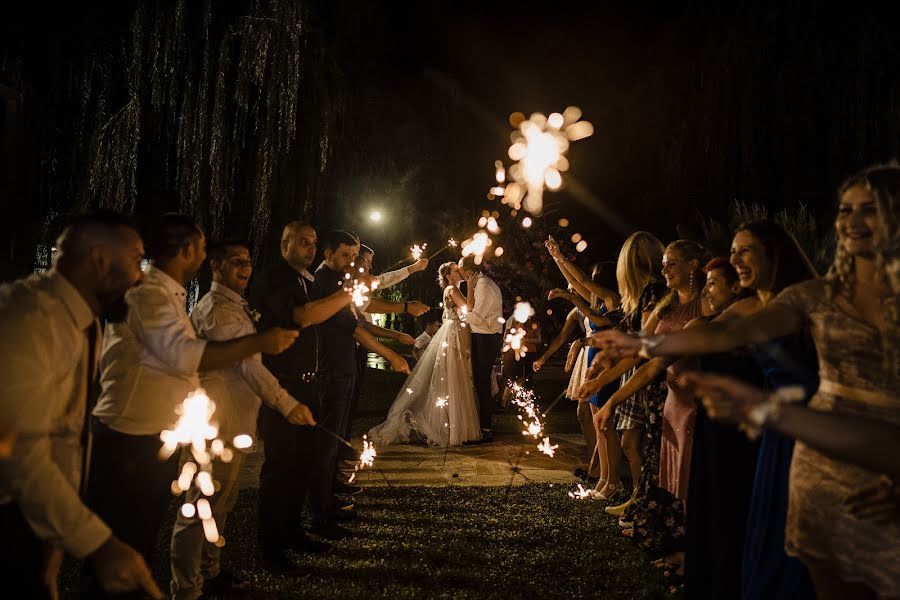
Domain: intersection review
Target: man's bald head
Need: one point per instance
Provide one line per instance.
(298, 244)
(100, 254)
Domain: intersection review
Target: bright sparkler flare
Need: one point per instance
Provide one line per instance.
(366, 458)
(193, 428)
(523, 312)
(441, 402)
(580, 493)
(546, 448)
(539, 147)
(242, 441)
(418, 250)
(477, 245)
(452, 242)
(524, 398)
(359, 291)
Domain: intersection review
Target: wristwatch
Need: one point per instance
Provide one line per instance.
(406, 308)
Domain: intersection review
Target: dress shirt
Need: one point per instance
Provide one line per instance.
(385, 280)
(422, 341)
(488, 309)
(149, 363)
(44, 368)
(223, 315)
(336, 333)
(275, 293)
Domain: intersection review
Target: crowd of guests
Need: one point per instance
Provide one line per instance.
(81, 472)
(689, 357)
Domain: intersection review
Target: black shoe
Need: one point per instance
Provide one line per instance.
(225, 583)
(330, 531)
(341, 487)
(345, 513)
(304, 543)
(280, 564)
(487, 437)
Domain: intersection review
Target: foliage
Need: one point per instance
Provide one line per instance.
(816, 237)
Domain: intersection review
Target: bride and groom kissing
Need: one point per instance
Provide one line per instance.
(447, 399)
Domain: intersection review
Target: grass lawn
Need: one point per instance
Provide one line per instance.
(528, 541)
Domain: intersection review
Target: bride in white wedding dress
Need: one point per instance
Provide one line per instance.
(437, 401)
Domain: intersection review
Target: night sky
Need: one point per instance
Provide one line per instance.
(693, 106)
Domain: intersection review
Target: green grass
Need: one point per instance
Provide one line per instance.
(529, 541)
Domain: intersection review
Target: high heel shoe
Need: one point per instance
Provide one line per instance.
(618, 511)
(607, 491)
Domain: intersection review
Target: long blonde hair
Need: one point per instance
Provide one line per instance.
(883, 182)
(639, 258)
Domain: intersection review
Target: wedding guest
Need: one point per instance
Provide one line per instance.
(238, 391)
(285, 296)
(854, 319)
(50, 343)
(149, 364)
(767, 259)
(421, 342)
(577, 367)
(339, 335)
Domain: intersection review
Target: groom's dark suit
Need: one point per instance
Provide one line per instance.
(484, 322)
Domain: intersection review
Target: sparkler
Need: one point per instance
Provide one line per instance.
(195, 429)
(366, 458)
(418, 250)
(513, 340)
(539, 147)
(451, 243)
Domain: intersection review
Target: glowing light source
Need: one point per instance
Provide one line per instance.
(375, 216)
(242, 441)
(546, 448)
(580, 493)
(526, 222)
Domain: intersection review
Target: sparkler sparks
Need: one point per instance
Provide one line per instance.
(546, 448)
(366, 458)
(580, 493)
(442, 402)
(418, 250)
(539, 147)
(194, 429)
(477, 245)
(523, 312)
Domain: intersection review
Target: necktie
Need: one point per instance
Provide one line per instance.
(89, 400)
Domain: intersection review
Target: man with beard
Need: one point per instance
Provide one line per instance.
(49, 348)
(149, 364)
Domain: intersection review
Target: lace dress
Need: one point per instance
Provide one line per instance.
(443, 374)
(855, 379)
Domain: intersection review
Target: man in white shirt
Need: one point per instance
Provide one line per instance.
(485, 312)
(149, 365)
(49, 348)
(431, 327)
(223, 314)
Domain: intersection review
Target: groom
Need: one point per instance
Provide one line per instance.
(485, 308)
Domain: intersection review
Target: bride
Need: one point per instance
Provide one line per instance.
(437, 401)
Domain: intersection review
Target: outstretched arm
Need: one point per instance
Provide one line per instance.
(583, 306)
(368, 341)
(579, 280)
(390, 334)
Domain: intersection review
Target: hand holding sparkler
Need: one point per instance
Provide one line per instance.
(416, 308)
(420, 265)
(301, 415)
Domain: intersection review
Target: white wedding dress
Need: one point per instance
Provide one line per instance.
(444, 372)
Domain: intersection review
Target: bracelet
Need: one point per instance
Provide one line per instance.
(769, 410)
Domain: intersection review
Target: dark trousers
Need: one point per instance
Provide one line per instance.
(485, 350)
(336, 393)
(362, 355)
(130, 488)
(21, 555)
(290, 453)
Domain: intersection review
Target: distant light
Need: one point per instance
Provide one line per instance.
(375, 216)
(526, 222)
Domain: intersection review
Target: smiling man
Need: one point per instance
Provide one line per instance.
(238, 390)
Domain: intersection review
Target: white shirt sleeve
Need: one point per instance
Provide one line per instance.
(164, 332)
(386, 280)
(29, 398)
